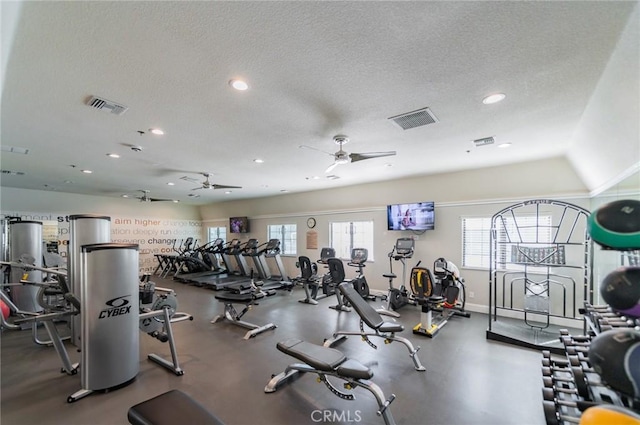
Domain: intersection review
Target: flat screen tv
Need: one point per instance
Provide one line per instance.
(239, 225)
(416, 216)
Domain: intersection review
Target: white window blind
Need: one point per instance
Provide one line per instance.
(525, 230)
(347, 235)
(217, 232)
(287, 234)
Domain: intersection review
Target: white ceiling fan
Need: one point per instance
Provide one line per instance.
(343, 157)
(146, 198)
(206, 184)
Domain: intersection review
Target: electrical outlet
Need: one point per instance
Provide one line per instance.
(472, 294)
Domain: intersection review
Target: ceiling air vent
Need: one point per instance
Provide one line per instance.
(415, 119)
(484, 141)
(14, 149)
(190, 179)
(106, 105)
(12, 173)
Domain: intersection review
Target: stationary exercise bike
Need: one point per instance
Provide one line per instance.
(399, 297)
(358, 258)
(440, 298)
(315, 286)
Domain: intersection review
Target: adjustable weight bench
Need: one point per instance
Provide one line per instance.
(326, 362)
(374, 320)
(231, 314)
(170, 408)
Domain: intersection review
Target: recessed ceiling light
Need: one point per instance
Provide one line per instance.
(227, 192)
(504, 145)
(170, 184)
(175, 201)
(258, 161)
(493, 98)
(156, 131)
(68, 182)
(113, 155)
(87, 171)
(239, 85)
(125, 196)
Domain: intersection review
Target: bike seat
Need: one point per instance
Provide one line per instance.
(389, 275)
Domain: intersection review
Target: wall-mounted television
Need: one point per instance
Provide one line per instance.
(239, 225)
(416, 216)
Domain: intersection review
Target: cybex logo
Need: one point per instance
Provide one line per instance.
(117, 307)
(627, 209)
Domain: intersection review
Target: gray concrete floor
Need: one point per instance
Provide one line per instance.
(469, 380)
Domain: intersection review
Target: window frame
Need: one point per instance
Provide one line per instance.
(503, 261)
(368, 228)
(288, 237)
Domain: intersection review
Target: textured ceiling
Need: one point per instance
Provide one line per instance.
(315, 69)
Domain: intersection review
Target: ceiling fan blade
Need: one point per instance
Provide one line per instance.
(370, 155)
(197, 188)
(331, 167)
(162, 200)
(222, 186)
(315, 149)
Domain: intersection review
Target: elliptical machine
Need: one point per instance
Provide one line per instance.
(399, 297)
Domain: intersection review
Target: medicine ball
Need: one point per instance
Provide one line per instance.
(609, 415)
(621, 290)
(6, 312)
(615, 356)
(616, 225)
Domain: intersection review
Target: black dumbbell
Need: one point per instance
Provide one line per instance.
(573, 350)
(555, 363)
(581, 362)
(553, 417)
(548, 394)
(575, 376)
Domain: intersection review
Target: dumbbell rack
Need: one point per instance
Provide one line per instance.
(600, 318)
(570, 385)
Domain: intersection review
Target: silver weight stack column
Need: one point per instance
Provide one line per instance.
(25, 239)
(84, 229)
(109, 311)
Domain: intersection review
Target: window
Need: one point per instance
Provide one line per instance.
(217, 232)
(476, 233)
(475, 241)
(347, 235)
(287, 234)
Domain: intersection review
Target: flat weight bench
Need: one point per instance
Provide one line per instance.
(232, 315)
(171, 408)
(374, 320)
(325, 362)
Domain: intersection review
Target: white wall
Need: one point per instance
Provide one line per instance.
(151, 226)
(606, 146)
(470, 193)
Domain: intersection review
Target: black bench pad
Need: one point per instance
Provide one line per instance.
(354, 369)
(171, 408)
(367, 313)
(316, 356)
(239, 298)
